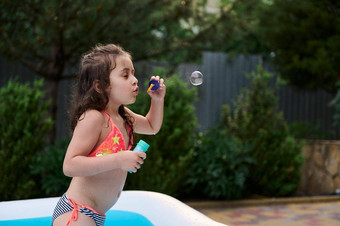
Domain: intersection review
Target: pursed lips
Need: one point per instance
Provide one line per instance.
(136, 90)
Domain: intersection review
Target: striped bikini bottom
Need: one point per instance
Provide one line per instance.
(65, 205)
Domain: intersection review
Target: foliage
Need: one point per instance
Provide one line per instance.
(305, 38)
(220, 165)
(23, 127)
(48, 166)
(257, 121)
(170, 152)
(307, 130)
(174, 30)
(171, 30)
(151, 28)
(48, 37)
(236, 28)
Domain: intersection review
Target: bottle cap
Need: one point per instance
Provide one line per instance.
(143, 145)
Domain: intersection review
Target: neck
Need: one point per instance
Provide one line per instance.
(112, 111)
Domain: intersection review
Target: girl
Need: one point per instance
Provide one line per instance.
(97, 157)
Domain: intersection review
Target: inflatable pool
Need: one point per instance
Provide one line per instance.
(140, 208)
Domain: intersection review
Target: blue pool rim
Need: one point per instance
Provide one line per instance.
(113, 217)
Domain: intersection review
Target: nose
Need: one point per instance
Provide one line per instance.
(134, 80)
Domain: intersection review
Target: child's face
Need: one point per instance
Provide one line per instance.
(123, 83)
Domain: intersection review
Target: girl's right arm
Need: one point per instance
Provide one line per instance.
(84, 139)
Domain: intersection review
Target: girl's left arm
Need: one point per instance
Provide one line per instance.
(152, 122)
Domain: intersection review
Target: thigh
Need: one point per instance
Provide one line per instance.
(82, 220)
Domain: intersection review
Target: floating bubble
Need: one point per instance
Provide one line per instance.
(196, 78)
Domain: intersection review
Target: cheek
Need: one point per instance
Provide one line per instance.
(117, 93)
(114, 93)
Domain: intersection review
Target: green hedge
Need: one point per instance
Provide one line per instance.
(220, 166)
(23, 127)
(48, 166)
(257, 121)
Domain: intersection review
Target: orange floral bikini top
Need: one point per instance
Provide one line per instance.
(113, 143)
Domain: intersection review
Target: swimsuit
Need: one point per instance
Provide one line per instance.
(65, 205)
(113, 143)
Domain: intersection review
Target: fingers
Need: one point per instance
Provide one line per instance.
(140, 161)
(161, 83)
(137, 166)
(141, 156)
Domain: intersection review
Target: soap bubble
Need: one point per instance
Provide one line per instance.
(196, 78)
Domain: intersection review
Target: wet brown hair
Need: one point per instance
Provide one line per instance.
(96, 65)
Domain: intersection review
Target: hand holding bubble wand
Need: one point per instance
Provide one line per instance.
(153, 85)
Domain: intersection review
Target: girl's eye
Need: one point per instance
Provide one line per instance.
(125, 76)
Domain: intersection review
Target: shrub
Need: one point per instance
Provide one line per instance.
(48, 166)
(23, 127)
(307, 130)
(220, 166)
(256, 120)
(165, 168)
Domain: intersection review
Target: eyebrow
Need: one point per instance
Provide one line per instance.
(127, 69)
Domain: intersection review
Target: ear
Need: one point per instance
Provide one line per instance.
(96, 86)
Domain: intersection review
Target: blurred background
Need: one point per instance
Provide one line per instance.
(264, 123)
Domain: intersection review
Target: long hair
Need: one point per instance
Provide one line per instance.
(96, 65)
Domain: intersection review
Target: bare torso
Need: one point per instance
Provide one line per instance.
(100, 191)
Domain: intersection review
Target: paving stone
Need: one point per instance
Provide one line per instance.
(300, 214)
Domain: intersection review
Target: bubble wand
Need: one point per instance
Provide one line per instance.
(150, 87)
(153, 85)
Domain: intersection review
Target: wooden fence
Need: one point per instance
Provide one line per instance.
(224, 78)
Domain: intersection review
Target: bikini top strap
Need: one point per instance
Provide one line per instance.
(108, 116)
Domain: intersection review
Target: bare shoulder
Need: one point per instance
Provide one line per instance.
(93, 115)
(86, 133)
(91, 118)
